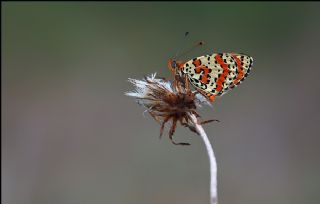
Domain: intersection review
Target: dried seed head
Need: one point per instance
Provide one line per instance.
(166, 101)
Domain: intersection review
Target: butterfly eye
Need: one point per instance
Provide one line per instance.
(174, 64)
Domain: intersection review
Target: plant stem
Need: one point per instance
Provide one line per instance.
(212, 160)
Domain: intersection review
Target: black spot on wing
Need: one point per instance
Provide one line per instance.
(219, 94)
(203, 86)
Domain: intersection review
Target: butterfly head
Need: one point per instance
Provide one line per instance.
(175, 66)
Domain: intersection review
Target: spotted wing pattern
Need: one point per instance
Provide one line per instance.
(217, 73)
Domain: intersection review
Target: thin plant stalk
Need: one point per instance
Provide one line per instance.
(212, 160)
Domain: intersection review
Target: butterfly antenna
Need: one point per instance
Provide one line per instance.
(185, 37)
(191, 49)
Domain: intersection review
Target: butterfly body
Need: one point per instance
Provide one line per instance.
(213, 75)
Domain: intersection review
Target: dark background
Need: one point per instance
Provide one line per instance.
(71, 136)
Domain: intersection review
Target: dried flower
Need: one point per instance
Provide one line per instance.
(166, 101)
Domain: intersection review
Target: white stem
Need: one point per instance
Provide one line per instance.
(212, 160)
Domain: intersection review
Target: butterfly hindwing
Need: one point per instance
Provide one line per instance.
(217, 73)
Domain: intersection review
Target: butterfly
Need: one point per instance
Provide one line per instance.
(213, 75)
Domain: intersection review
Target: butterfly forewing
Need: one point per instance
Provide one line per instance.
(217, 73)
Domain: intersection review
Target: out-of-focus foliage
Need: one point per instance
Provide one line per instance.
(71, 136)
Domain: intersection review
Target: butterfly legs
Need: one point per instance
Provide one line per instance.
(186, 83)
(172, 69)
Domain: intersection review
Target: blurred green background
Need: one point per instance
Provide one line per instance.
(70, 136)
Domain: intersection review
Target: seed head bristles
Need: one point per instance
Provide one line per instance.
(166, 101)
